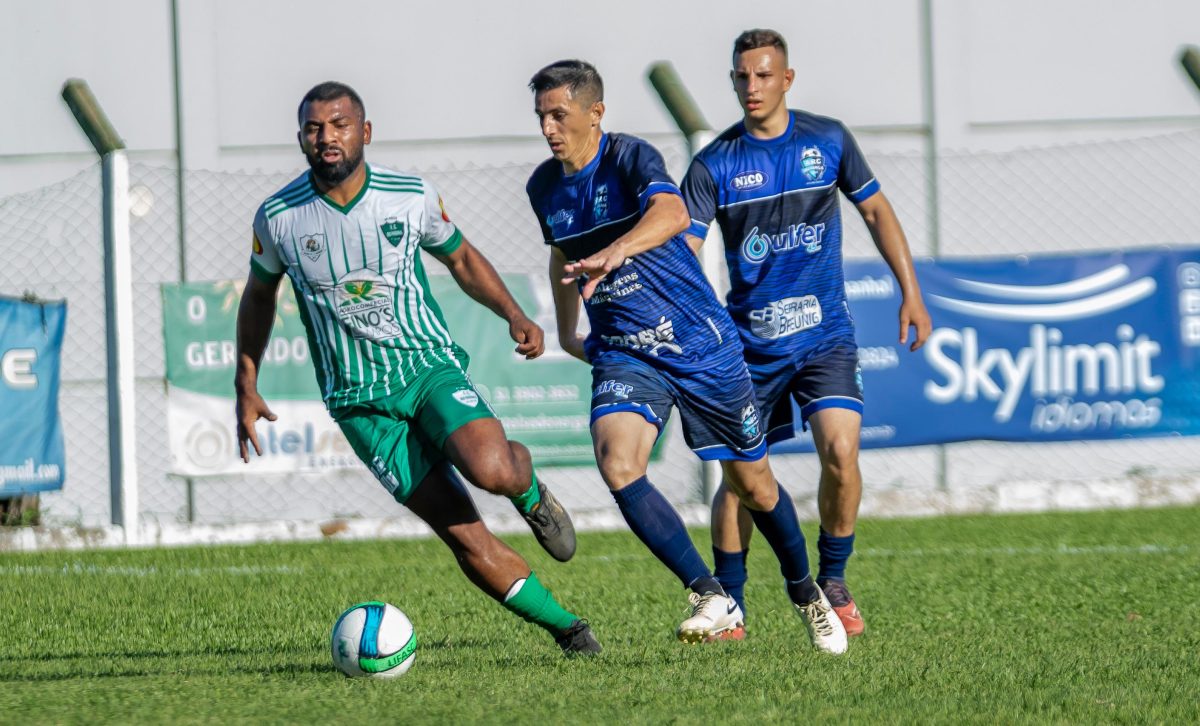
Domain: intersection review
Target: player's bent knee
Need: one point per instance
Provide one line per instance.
(495, 471)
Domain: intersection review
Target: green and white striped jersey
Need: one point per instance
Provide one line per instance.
(360, 284)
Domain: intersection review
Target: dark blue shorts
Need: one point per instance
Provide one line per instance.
(828, 377)
(716, 406)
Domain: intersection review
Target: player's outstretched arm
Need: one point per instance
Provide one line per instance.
(566, 306)
(665, 217)
(256, 315)
(476, 276)
(889, 239)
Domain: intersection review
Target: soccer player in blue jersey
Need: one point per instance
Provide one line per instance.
(772, 182)
(659, 340)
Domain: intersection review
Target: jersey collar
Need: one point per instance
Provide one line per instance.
(350, 204)
(590, 167)
(776, 141)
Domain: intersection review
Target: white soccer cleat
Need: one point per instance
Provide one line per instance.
(825, 628)
(712, 615)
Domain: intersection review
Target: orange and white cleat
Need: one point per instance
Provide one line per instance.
(736, 633)
(843, 604)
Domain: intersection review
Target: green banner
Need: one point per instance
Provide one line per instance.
(543, 403)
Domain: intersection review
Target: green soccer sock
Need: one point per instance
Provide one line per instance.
(533, 602)
(527, 501)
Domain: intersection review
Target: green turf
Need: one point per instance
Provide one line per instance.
(1065, 618)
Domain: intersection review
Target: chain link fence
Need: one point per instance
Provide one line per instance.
(1083, 197)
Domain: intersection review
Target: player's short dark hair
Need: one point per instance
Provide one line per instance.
(759, 38)
(580, 77)
(330, 91)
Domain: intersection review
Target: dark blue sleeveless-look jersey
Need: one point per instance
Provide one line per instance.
(776, 201)
(658, 306)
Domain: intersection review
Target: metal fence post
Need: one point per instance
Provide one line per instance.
(118, 279)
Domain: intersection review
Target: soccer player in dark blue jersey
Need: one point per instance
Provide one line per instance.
(772, 182)
(659, 340)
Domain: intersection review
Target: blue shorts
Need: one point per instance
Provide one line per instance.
(827, 377)
(716, 406)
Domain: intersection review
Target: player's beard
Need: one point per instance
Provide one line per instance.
(337, 172)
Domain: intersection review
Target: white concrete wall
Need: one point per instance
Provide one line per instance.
(445, 82)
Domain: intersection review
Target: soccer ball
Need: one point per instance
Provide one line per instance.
(373, 639)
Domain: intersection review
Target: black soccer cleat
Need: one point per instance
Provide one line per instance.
(578, 640)
(552, 526)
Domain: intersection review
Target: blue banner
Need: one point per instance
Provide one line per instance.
(1054, 348)
(31, 442)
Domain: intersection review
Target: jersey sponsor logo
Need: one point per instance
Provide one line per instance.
(600, 204)
(812, 163)
(616, 388)
(619, 287)
(393, 230)
(258, 248)
(442, 207)
(750, 421)
(757, 246)
(651, 340)
(747, 180)
(561, 218)
(364, 305)
(384, 475)
(781, 318)
(466, 397)
(312, 246)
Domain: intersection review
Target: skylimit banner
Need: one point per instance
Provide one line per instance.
(1032, 349)
(542, 403)
(31, 441)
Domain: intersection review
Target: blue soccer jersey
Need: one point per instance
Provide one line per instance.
(776, 201)
(658, 305)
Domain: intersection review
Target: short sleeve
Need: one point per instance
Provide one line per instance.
(264, 256)
(700, 194)
(642, 169)
(532, 191)
(439, 236)
(855, 178)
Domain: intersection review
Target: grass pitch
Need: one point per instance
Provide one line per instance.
(1088, 617)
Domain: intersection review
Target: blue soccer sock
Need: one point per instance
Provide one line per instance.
(781, 529)
(658, 526)
(834, 552)
(730, 569)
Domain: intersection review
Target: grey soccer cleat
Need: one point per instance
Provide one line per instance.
(552, 526)
(578, 640)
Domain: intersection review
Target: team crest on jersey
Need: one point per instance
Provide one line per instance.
(812, 163)
(313, 245)
(750, 422)
(466, 397)
(747, 180)
(393, 230)
(600, 204)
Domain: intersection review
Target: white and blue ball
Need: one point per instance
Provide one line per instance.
(373, 640)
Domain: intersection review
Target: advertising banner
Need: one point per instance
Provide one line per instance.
(1052, 348)
(31, 441)
(542, 403)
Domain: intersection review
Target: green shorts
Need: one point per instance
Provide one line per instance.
(401, 437)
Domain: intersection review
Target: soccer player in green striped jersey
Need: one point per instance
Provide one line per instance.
(347, 235)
